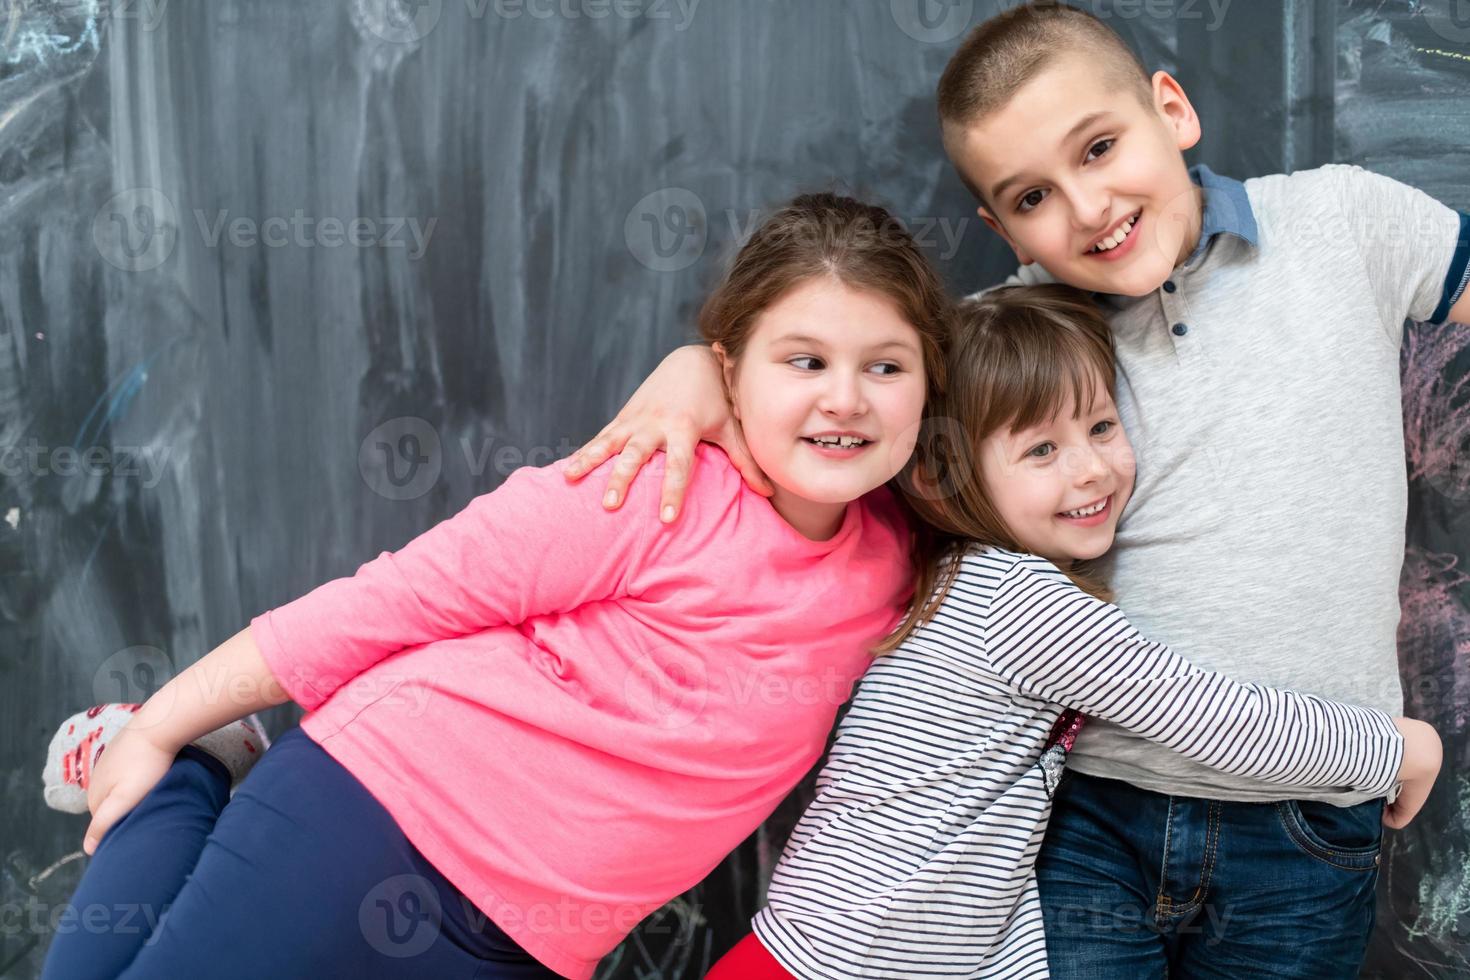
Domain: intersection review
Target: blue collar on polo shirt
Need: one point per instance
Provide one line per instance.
(1227, 210)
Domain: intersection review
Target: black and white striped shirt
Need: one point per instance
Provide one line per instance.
(916, 858)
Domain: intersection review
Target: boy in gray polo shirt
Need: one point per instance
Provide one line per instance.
(1257, 328)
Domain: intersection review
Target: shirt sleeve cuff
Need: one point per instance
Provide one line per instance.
(1388, 782)
(275, 657)
(1458, 275)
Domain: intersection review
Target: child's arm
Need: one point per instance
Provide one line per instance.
(1460, 312)
(1054, 641)
(231, 682)
(1415, 250)
(535, 545)
(682, 402)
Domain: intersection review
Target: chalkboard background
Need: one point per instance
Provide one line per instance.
(285, 282)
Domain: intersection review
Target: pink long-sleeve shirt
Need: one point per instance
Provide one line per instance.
(575, 714)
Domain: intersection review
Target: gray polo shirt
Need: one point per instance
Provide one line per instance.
(1260, 388)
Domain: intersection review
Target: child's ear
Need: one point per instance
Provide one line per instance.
(995, 226)
(727, 371)
(922, 480)
(1174, 108)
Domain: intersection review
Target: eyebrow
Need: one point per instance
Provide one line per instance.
(1099, 406)
(1081, 124)
(801, 338)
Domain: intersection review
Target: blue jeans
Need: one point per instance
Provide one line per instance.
(1136, 885)
(301, 873)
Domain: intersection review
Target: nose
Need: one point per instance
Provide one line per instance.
(1089, 465)
(1089, 207)
(843, 396)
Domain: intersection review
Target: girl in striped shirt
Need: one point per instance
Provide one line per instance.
(916, 858)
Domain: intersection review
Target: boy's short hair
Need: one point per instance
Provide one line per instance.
(1008, 50)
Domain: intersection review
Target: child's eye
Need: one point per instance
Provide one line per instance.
(1106, 144)
(892, 368)
(1026, 203)
(1037, 452)
(1106, 425)
(806, 363)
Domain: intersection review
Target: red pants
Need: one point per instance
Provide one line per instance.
(748, 961)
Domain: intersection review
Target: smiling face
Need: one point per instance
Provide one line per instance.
(1061, 485)
(829, 390)
(1085, 179)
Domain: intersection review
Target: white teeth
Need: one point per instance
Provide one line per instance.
(1087, 512)
(845, 442)
(1116, 239)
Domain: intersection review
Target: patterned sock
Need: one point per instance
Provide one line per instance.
(81, 738)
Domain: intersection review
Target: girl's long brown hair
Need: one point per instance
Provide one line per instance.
(864, 247)
(1019, 352)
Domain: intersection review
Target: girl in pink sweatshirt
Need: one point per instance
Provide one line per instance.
(538, 721)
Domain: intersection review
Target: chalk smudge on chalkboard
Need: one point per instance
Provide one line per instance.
(1434, 638)
(1436, 396)
(1444, 885)
(684, 950)
(44, 32)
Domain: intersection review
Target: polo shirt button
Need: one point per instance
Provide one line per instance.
(1180, 330)
(1169, 286)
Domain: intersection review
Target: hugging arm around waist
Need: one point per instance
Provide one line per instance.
(1053, 641)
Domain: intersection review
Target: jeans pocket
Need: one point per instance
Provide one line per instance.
(1344, 837)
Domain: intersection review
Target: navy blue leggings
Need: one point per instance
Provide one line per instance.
(301, 873)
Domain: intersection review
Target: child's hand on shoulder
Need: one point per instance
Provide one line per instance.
(681, 403)
(1423, 755)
